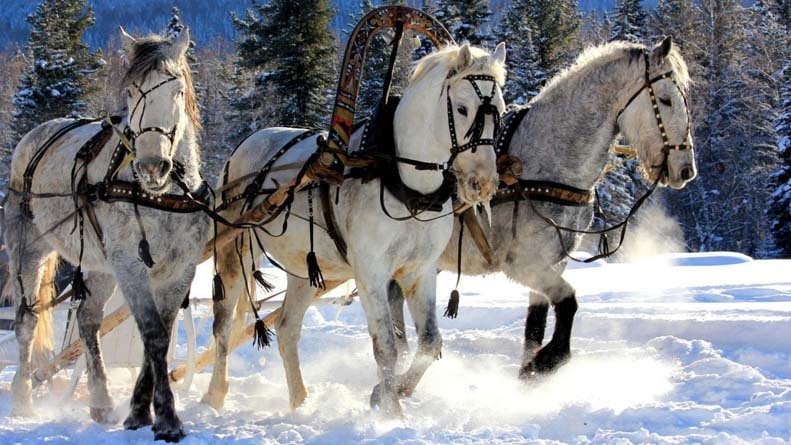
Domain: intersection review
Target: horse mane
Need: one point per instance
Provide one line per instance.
(597, 56)
(149, 54)
(446, 57)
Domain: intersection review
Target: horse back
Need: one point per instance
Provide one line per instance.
(52, 174)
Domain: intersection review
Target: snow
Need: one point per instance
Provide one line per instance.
(681, 348)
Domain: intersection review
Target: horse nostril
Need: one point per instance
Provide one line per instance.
(474, 184)
(686, 173)
(164, 168)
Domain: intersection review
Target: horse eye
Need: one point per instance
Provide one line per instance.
(462, 110)
(128, 94)
(665, 102)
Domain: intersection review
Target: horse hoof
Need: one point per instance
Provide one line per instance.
(103, 415)
(169, 433)
(134, 422)
(169, 436)
(547, 360)
(376, 397)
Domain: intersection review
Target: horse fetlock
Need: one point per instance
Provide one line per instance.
(297, 396)
(385, 401)
(215, 396)
(138, 418)
(548, 359)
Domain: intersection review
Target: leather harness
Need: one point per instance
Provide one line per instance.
(519, 189)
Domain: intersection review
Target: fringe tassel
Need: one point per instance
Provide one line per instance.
(186, 302)
(262, 334)
(78, 287)
(218, 293)
(144, 253)
(259, 277)
(452, 310)
(314, 272)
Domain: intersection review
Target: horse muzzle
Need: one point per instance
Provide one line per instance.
(153, 172)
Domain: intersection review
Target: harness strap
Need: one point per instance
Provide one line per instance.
(32, 165)
(328, 212)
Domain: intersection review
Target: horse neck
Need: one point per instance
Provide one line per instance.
(416, 137)
(568, 132)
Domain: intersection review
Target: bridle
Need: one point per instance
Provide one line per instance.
(132, 135)
(479, 122)
(667, 147)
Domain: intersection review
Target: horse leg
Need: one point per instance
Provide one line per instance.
(154, 323)
(142, 395)
(423, 307)
(230, 270)
(24, 262)
(299, 296)
(373, 296)
(89, 318)
(558, 351)
(395, 297)
(535, 325)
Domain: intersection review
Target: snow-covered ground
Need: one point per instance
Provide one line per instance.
(676, 349)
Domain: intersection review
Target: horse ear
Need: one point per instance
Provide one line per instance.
(662, 49)
(464, 58)
(180, 44)
(499, 53)
(128, 41)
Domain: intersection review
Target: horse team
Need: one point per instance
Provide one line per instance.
(392, 251)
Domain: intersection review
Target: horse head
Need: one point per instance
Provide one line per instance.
(460, 102)
(161, 104)
(656, 119)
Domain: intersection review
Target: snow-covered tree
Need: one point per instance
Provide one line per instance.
(675, 18)
(555, 29)
(289, 45)
(779, 209)
(595, 30)
(525, 74)
(629, 21)
(467, 20)
(60, 68)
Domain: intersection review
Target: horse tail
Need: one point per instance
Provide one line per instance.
(43, 334)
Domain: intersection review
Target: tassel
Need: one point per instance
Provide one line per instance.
(78, 287)
(314, 273)
(452, 310)
(218, 294)
(186, 302)
(144, 253)
(262, 335)
(259, 276)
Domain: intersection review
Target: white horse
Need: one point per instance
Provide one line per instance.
(162, 125)
(381, 249)
(565, 138)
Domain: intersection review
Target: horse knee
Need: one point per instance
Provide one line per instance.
(566, 307)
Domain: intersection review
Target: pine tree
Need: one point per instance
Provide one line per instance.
(288, 42)
(677, 19)
(629, 20)
(779, 208)
(525, 74)
(465, 19)
(555, 30)
(60, 68)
